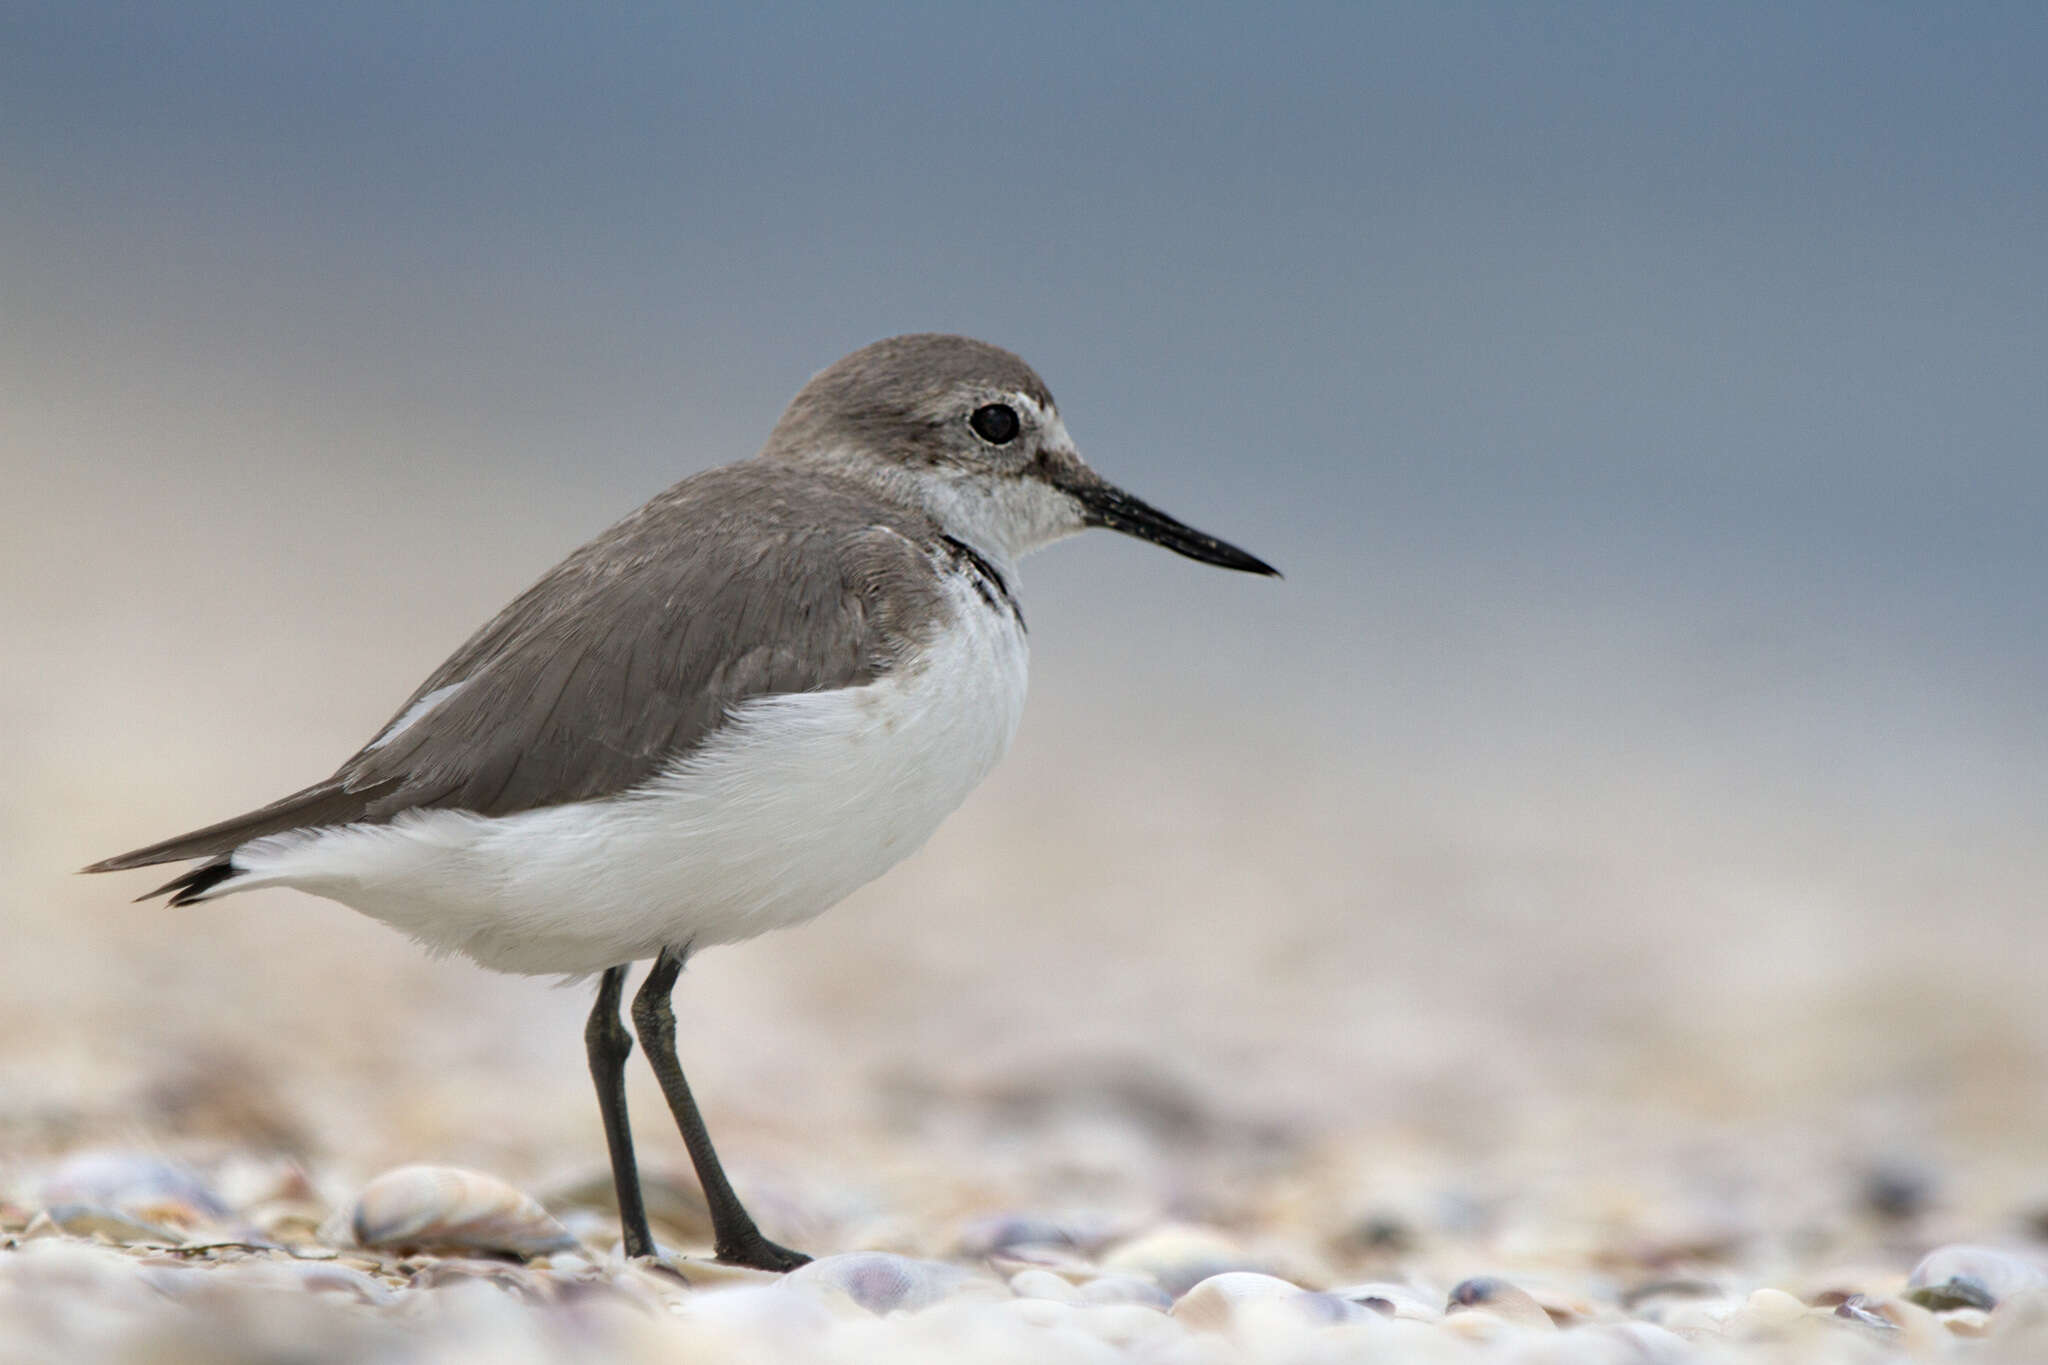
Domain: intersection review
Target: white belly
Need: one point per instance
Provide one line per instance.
(797, 801)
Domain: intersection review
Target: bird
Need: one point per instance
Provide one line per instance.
(721, 716)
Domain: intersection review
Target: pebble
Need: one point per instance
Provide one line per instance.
(448, 1208)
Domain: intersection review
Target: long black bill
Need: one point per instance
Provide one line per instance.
(1107, 505)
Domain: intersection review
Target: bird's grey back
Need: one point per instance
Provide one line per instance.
(740, 582)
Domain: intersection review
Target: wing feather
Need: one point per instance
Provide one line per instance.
(738, 583)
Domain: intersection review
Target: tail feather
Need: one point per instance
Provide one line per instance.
(329, 803)
(187, 887)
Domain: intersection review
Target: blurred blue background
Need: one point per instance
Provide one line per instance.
(1675, 370)
(1645, 402)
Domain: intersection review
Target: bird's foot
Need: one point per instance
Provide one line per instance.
(758, 1253)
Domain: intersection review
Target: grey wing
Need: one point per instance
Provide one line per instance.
(627, 656)
(595, 681)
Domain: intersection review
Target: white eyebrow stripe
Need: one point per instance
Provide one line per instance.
(416, 712)
(1046, 417)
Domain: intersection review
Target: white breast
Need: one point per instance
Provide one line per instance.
(797, 801)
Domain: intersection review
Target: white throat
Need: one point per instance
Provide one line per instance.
(1004, 516)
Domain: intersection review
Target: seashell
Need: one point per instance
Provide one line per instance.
(1179, 1256)
(515, 1280)
(1043, 1284)
(1481, 1325)
(1651, 1298)
(88, 1220)
(1767, 1312)
(1857, 1309)
(290, 1223)
(1506, 1301)
(1125, 1289)
(1966, 1322)
(325, 1277)
(1961, 1291)
(446, 1207)
(881, 1281)
(145, 1187)
(174, 1277)
(1963, 1276)
(1002, 1233)
(1919, 1330)
(1391, 1300)
(1220, 1302)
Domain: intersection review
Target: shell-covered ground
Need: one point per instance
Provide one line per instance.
(127, 1254)
(1092, 1079)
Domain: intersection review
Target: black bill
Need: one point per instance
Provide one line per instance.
(1107, 505)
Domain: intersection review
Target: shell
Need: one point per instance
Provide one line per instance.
(999, 1234)
(1963, 1276)
(1391, 1300)
(881, 1281)
(1766, 1312)
(1218, 1303)
(1125, 1289)
(144, 1187)
(88, 1220)
(1507, 1301)
(1179, 1256)
(1043, 1284)
(446, 1207)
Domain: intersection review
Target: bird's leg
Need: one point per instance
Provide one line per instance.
(737, 1240)
(609, 1044)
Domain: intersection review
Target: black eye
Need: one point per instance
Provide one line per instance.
(995, 423)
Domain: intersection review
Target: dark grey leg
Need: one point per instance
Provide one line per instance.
(608, 1043)
(738, 1241)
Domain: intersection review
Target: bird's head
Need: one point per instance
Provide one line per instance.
(969, 433)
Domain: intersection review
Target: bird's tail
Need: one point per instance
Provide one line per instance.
(328, 803)
(196, 884)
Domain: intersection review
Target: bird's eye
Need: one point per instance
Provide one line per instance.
(995, 423)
